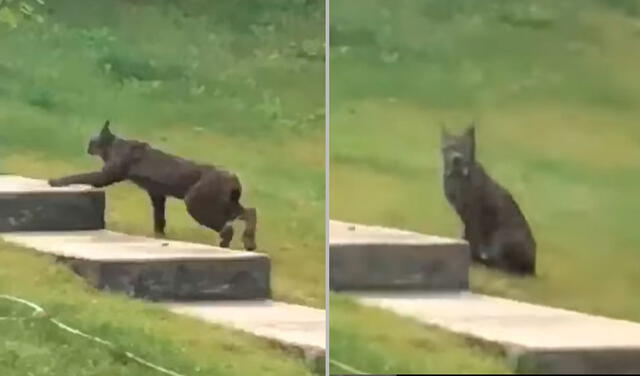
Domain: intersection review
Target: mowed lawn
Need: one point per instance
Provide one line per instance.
(555, 92)
(218, 82)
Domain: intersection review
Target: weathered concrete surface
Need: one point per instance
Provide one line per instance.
(295, 327)
(537, 338)
(32, 205)
(369, 257)
(154, 269)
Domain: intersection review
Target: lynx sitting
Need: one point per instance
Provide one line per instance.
(494, 226)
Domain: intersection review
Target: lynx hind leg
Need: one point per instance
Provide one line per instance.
(226, 235)
(517, 255)
(208, 203)
(519, 258)
(250, 218)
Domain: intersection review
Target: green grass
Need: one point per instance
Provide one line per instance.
(554, 89)
(218, 82)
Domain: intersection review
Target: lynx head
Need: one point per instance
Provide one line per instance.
(458, 152)
(100, 143)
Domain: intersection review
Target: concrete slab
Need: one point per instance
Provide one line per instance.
(295, 327)
(32, 205)
(537, 338)
(371, 257)
(154, 269)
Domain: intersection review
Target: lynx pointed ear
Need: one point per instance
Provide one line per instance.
(471, 131)
(470, 135)
(105, 133)
(105, 129)
(444, 134)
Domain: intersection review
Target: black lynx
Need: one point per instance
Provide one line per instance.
(212, 195)
(494, 226)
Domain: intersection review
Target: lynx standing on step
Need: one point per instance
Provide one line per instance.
(494, 226)
(212, 195)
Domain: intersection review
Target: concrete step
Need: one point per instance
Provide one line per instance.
(154, 269)
(68, 223)
(298, 328)
(370, 257)
(538, 339)
(31, 205)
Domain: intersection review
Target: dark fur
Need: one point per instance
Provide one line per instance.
(212, 195)
(494, 226)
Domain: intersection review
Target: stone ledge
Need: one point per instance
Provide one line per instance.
(154, 269)
(294, 327)
(537, 339)
(369, 257)
(32, 205)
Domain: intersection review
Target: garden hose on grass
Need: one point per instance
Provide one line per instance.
(39, 312)
(346, 367)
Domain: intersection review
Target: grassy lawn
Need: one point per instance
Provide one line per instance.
(555, 90)
(218, 82)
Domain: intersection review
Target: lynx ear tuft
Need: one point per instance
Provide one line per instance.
(471, 130)
(105, 127)
(444, 133)
(105, 133)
